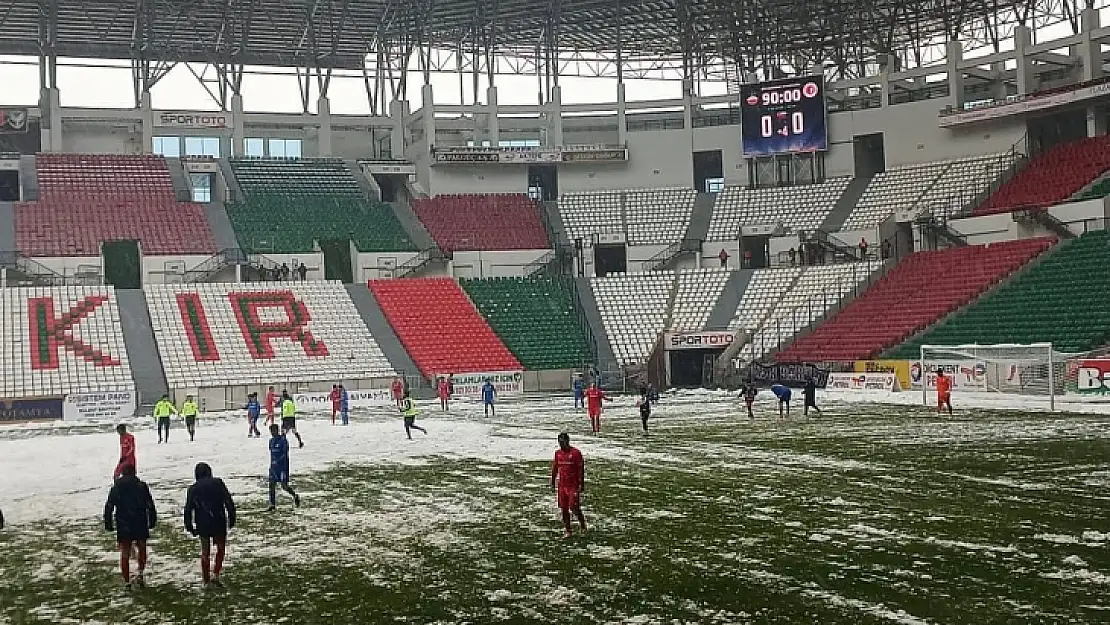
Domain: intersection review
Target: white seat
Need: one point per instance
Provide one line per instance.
(800, 207)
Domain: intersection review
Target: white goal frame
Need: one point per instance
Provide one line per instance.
(971, 352)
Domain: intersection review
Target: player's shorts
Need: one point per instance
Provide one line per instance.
(410, 421)
(944, 399)
(281, 476)
(288, 423)
(568, 498)
(190, 421)
(785, 398)
(488, 402)
(595, 412)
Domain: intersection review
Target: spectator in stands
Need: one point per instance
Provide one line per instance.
(451, 385)
(747, 259)
(863, 248)
(801, 254)
(275, 275)
(285, 271)
(302, 271)
(724, 257)
(884, 249)
(793, 257)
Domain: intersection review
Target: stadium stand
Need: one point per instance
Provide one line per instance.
(291, 203)
(658, 216)
(1051, 177)
(440, 327)
(243, 334)
(61, 340)
(633, 309)
(491, 222)
(536, 319)
(938, 185)
(920, 290)
(817, 291)
(1061, 300)
(85, 199)
(653, 216)
(764, 290)
(696, 294)
(801, 207)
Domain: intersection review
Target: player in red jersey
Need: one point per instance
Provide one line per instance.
(126, 451)
(335, 397)
(568, 479)
(594, 397)
(271, 403)
(944, 392)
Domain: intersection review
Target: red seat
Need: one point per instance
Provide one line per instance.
(1052, 177)
(85, 199)
(440, 328)
(483, 222)
(915, 294)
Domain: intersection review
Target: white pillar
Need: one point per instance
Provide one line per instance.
(688, 105)
(1091, 53)
(50, 111)
(238, 126)
(555, 118)
(493, 124)
(622, 115)
(428, 117)
(1022, 41)
(955, 75)
(397, 134)
(146, 108)
(323, 127)
(885, 71)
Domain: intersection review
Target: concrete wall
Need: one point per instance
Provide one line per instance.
(1080, 216)
(494, 264)
(374, 265)
(449, 179)
(661, 158)
(106, 139)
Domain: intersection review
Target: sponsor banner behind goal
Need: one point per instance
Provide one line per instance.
(788, 374)
(900, 369)
(965, 374)
(97, 406)
(504, 382)
(1089, 376)
(31, 409)
(863, 382)
(697, 340)
(364, 398)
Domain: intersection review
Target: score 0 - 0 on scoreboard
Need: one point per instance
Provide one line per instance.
(784, 116)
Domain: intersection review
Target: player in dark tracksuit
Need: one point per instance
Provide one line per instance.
(279, 467)
(645, 408)
(809, 394)
(130, 512)
(209, 514)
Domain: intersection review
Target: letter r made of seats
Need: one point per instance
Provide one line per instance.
(260, 326)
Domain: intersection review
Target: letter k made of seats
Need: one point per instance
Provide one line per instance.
(49, 332)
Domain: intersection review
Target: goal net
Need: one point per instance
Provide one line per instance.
(1031, 370)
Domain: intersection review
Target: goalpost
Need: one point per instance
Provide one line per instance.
(1020, 369)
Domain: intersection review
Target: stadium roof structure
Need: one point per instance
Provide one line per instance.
(618, 38)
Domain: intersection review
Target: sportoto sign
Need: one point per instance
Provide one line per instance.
(192, 120)
(697, 340)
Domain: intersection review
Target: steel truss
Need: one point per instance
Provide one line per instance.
(387, 42)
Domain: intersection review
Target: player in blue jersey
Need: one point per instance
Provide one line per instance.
(279, 467)
(254, 411)
(489, 395)
(579, 387)
(783, 393)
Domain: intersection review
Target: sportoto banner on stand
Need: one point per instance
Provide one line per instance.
(192, 120)
(968, 375)
(1089, 376)
(789, 374)
(504, 382)
(99, 406)
(362, 398)
(900, 368)
(863, 382)
(35, 409)
(697, 340)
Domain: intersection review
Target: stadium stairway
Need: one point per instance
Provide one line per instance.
(7, 227)
(555, 228)
(28, 178)
(845, 204)
(592, 313)
(372, 315)
(142, 350)
(220, 223)
(440, 327)
(725, 308)
(234, 190)
(418, 234)
(910, 298)
(366, 183)
(180, 181)
(698, 228)
(1028, 307)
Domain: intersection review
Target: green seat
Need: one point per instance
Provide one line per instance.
(534, 317)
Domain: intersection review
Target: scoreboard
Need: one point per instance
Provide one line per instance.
(784, 116)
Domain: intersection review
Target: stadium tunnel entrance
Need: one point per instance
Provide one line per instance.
(690, 357)
(9, 185)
